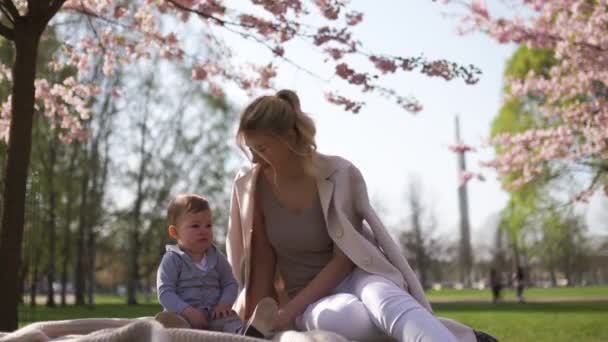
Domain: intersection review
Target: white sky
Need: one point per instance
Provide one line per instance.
(390, 145)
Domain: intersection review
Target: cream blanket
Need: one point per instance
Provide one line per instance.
(143, 329)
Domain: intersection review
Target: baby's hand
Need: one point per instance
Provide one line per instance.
(196, 318)
(221, 311)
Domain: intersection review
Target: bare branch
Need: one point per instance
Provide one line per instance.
(203, 14)
(6, 14)
(53, 9)
(10, 7)
(7, 32)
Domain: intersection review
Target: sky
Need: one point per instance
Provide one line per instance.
(391, 146)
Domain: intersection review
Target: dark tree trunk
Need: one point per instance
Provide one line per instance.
(27, 33)
(67, 237)
(50, 271)
(79, 272)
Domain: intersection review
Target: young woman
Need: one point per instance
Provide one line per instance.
(297, 233)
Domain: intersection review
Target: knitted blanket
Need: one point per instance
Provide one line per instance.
(143, 329)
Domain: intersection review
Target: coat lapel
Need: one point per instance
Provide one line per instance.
(325, 185)
(246, 189)
(326, 190)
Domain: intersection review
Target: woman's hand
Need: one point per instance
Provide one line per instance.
(285, 319)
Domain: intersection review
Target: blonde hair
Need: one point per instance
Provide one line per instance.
(184, 203)
(278, 114)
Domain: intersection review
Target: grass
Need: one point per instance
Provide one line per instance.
(582, 320)
(537, 294)
(575, 321)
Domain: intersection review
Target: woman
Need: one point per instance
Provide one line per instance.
(297, 233)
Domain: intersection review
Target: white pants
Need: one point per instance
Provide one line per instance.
(365, 307)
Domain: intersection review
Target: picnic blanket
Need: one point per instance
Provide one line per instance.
(144, 329)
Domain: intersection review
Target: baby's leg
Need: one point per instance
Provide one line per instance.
(171, 320)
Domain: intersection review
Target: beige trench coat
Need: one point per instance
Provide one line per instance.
(345, 203)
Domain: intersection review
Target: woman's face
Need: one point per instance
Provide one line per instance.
(269, 149)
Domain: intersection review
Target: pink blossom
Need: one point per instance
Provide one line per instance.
(354, 18)
(461, 148)
(465, 177)
(383, 64)
(574, 105)
(120, 12)
(199, 73)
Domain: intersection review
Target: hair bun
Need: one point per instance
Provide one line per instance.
(290, 97)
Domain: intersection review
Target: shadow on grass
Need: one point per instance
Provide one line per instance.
(535, 307)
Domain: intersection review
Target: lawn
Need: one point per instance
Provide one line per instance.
(585, 319)
(571, 321)
(535, 294)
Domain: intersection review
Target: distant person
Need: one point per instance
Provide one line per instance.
(519, 283)
(495, 285)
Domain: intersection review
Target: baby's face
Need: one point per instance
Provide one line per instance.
(195, 231)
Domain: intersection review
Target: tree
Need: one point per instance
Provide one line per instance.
(417, 237)
(572, 94)
(562, 245)
(520, 114)
(122, 36)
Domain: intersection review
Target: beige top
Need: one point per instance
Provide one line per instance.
(300, 239)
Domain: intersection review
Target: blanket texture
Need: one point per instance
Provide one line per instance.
(143, 329)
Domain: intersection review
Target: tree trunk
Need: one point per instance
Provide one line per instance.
(133, 277)
(27, 36)
(553, 275)
(34, 283)
(22, 275)
(420, 252)
(79, 272)
(67, 237)
(50, 173)
(91, 267)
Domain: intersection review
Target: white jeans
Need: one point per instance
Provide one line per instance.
(365, 307)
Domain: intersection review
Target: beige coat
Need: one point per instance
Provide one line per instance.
(346, 205)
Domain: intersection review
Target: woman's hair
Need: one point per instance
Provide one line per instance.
(278, 114)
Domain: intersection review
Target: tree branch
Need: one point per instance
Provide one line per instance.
(7, 14)
(10, 7)
(202, 14)
(54, 7)
(7, 32)
(36, 7)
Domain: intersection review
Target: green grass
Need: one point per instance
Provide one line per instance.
(577, 321)
(530, 293)
(585, 320)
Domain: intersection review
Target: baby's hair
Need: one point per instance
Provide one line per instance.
(184, 203)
